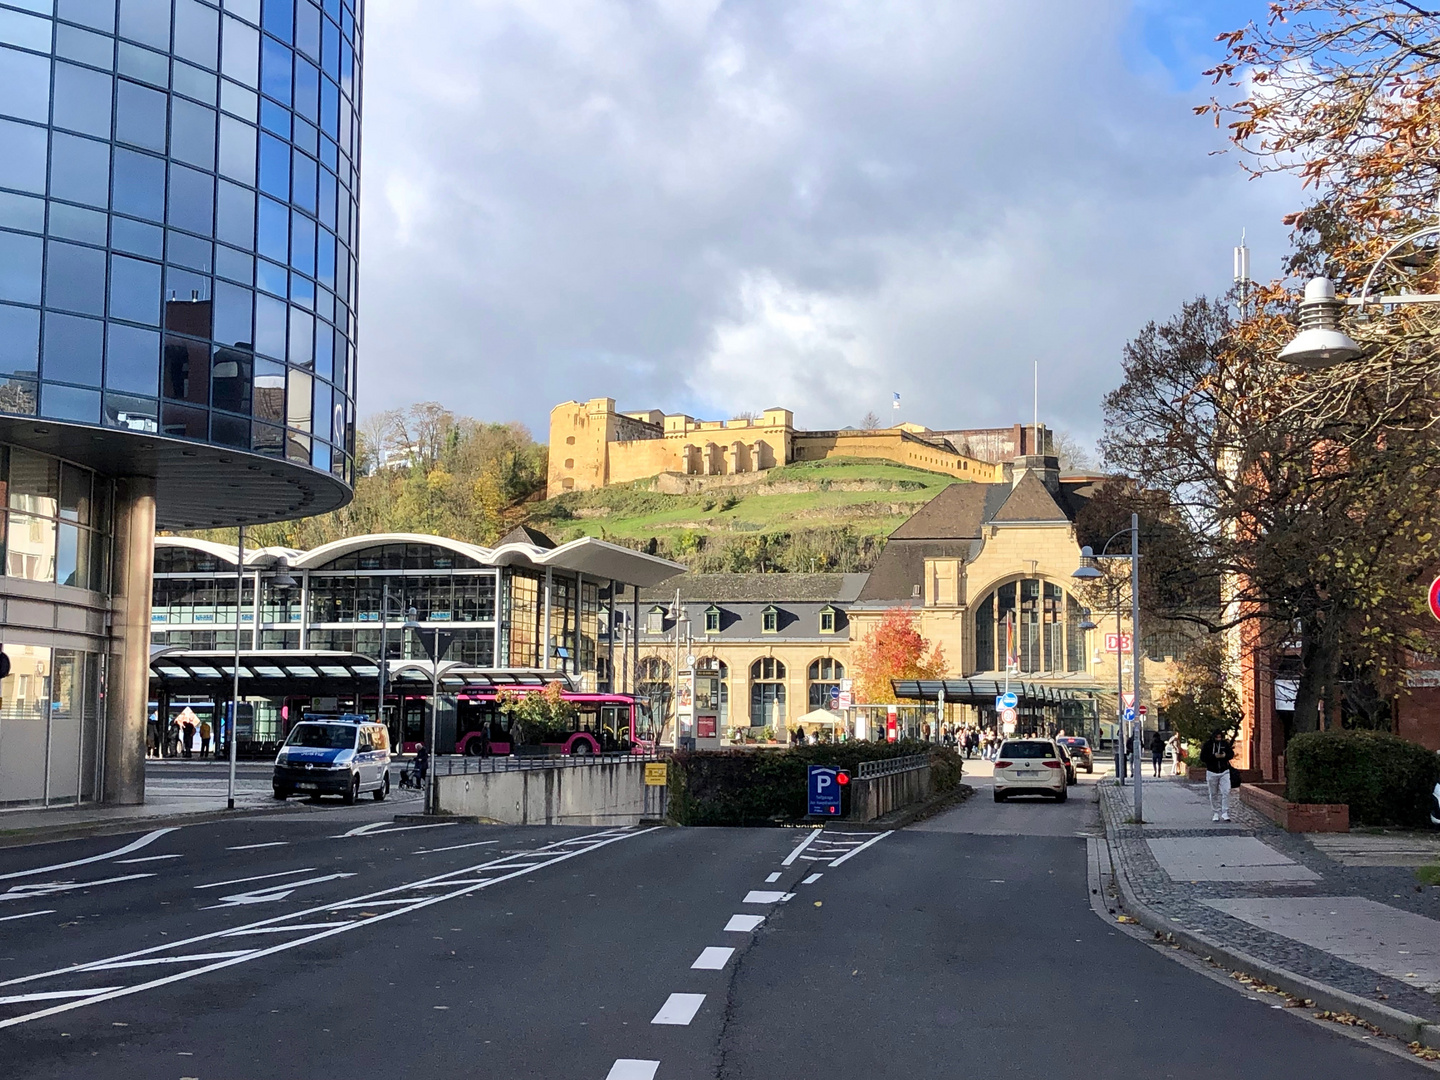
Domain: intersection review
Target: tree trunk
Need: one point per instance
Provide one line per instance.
(1317, 669)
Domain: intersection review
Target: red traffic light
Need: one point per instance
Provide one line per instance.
(842, 777)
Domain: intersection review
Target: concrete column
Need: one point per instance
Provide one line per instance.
(127, 696)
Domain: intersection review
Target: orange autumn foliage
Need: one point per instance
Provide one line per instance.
(895, 649)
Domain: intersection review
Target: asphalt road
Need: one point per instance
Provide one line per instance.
(340, 943)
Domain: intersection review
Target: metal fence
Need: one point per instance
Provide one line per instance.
(457, 765)
(871, 769)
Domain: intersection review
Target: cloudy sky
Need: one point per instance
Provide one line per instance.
(708, 206)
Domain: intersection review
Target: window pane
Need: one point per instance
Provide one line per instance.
(134, 290)
(187, 303)
(304, 182)
(73, 347)
(22, 157)
(132, 360)
(99, 14)
(30, 541)
(240, 53)
(235, 216)
(75, 494)
(189, 251)
(271, 277)
(146, 21)
(22, 212)
(299, 400)
(19, 340)
(302, 244)
(231, 381)
(274, 239)
(68, 403)
(136, 237)
(143, 64)
(133, 413)
(321, 412)
(192, 134)
(275, 63)
(140, 116)
(82, 100)
(73, 223)
(275, 118)
(274, 167)
(269, 401)
(302, 337)
(26, 31)
(307, 90)
(192, 82)
(197, 33)
(324, 352)
(139, 185)
(75, 279)
(235, 265)
(280, 18)
(239, 101)
(307, 28)
(24, 85)
(230, 430)
(186, 375)
(181, 422)
(270, 326)
(233, 315)
(80, 171)
(82, 45)
(237, 150)
(192, 200)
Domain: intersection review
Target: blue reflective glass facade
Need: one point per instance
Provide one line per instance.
(178, 220)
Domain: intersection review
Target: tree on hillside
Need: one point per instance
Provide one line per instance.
(895, 649)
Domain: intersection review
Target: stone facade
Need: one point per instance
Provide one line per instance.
(592, 446)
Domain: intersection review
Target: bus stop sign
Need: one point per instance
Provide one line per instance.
(823, 790)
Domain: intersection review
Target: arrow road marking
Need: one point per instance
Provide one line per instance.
(377, 828)
(273, 893)
(30, 892)
(147, 839)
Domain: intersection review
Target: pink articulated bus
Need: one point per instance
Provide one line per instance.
(606, 723)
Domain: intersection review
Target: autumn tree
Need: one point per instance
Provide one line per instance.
(871, 421)
(894, 649)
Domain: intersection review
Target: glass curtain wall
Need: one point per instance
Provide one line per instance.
(50, 716)
(57, 521)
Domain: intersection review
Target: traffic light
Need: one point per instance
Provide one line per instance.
(842, 777)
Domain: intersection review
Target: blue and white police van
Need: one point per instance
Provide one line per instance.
(341, 755)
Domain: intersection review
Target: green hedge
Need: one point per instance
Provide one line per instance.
(759, 787)
(1383, 779)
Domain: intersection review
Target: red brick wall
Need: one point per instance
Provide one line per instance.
(1417, 716)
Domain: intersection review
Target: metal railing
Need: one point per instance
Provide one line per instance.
(457, 765)
(869, 770)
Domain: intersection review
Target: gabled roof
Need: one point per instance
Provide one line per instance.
(1030, 500)
(524, 534)
(761, 588)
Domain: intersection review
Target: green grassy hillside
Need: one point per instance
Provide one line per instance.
(826, 515)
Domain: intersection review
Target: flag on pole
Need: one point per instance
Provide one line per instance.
(1012, 661)
(896, 404)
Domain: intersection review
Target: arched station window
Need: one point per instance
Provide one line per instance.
(712, 689)
(825, 675)
(767, 693)
(1032, 621)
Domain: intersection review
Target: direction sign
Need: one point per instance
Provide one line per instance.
(1129, 714)
(1007, 700)
(823, 791)
(834, 697)
(1435, 598)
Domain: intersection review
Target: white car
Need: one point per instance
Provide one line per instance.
(1029, 767)
(1435, 807)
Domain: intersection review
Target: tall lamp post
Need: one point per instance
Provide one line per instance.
(432, 786)
(1089, 572)
(383, 667)
(283, 581)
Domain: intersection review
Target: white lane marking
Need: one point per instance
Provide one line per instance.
(376, 828)
(144, 841)
(679, 1009)
(273, 893)
(51, 995)
(773, 878)
(454, 847)
(812, 879)
(27, 915)
(447, 884)
(632, 1069)
(814, 834)
(330, 931)
(256, 847)
(761, 896)
(817, 858)
(164, 960)
(743, 924)
(280, 929)
(147, 858)
(257, 877)
(29, 892)
(856, 850)
(713, 958)
(785, 898)
(377, 903)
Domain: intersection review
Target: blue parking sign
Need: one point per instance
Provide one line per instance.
(824, 791)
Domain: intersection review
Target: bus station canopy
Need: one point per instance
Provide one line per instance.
(983, 692)
(313, 673)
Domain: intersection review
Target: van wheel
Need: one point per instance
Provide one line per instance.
(383, 789)
(354, 792)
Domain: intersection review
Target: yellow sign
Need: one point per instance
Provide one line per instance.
(655, 774)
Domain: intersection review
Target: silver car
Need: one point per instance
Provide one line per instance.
(1030, 767)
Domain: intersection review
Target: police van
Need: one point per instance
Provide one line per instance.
(342, 755)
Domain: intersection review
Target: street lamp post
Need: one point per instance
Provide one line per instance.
(383, 668)
(432, 785)
(1087, 571)
(282, 581)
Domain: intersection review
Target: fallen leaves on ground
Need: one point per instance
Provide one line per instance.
(1424, 1053)
(1348, 1019)
(1252, 983)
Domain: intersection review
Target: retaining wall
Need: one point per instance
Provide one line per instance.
(870, 799)
(610, 793)
(1269, 799)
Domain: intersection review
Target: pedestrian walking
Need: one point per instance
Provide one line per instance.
(187, 737)
(152, 736)
(172, 739)
(1215, 755)
(1157, 753)
(1175, 749)
(204, 738)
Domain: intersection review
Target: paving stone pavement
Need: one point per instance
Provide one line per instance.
(1183, 902)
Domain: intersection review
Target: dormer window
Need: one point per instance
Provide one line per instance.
(712, 620)
(770, 620)
(827, 620)
(655, 620)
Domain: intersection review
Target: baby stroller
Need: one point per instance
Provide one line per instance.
(413, 775)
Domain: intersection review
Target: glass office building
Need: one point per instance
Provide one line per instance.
(179, 184)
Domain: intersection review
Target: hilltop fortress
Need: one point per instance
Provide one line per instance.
(593, 446)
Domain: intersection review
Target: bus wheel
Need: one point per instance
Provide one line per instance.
(472, 748)
(581, 746)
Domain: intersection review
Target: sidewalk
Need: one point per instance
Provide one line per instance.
(1343, 911)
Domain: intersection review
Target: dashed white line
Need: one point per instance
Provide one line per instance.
(762, 896)
(632, 1069)
(279, 929)
(148, 858)
(256, 847)
(743, 924)
(856, 850)
(713, 958)
(773, 878)
(257, 877)
(27, 915)
(136, 845)
(679, 1009)
(814, 835)
(153, 960)
(454, 847)
(812, 879)
(55, 995)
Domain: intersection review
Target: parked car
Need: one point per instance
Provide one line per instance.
(344, 756)
(1030, 767)
(1079, 751)
(1435, 807)
(1070, 777)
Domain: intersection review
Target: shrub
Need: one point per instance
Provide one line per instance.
(749, 787)
(1383, 779)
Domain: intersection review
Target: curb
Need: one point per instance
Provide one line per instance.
(1402, 1025)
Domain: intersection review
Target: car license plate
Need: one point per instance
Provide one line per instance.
(307, 787)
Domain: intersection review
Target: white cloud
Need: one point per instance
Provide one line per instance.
(710, 206)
